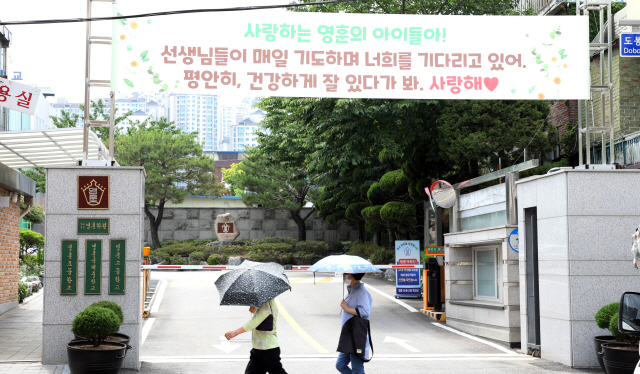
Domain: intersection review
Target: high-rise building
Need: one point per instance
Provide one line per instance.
(199, 113)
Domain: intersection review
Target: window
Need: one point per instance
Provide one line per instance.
(486, 274)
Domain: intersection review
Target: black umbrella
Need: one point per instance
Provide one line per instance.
(252, 284)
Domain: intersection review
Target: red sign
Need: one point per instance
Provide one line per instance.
(225, 228)
(408, 261)
(93, 192)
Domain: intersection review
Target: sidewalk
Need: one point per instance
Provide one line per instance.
(21, 332)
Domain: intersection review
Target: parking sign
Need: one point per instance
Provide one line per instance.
(630, 44)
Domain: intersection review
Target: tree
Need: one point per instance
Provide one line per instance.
(280, 185)
(97, 112)
(175, 166)
(30, 242)
(38, 174)
(467, 7)
(474, 134)
(35, 215)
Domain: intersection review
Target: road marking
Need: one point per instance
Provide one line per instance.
(299, 329)
(494, 345)
(298, 280)
(402, 343)
(158, 298)
(403, 304)
(226, 346)
(146, 329)
(323, 357)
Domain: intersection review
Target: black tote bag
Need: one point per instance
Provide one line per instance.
(353, 338)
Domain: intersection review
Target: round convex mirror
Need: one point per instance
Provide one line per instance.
(443, 194)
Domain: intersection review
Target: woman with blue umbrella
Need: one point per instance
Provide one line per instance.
(357, 302)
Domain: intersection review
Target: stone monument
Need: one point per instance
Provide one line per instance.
(93, 251)
(226, 228)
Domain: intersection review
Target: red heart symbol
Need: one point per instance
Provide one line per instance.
(491, 83)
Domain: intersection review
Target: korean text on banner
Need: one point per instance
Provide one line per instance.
(18, 96)
(408, 280)
(350, 55)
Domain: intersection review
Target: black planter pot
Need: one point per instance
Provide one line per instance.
(619, 361)
(120, 335)
(598, 341)
(103, 361)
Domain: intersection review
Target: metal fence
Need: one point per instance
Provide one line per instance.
(626, 151)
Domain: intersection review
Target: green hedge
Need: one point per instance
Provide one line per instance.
(266, 247)
(364, 250)
(382, 256)
(312, 246)
(274, 239)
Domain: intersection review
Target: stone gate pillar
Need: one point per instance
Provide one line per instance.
(92, 212)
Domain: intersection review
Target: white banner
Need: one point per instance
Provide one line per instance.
(18, 96)
(342, 55)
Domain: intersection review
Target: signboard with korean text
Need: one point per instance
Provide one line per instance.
(630, 44)
(69, 268)
(117, 256)
(408, 280)
(224, 228)
(349, 55)
(93, 192)
(434, 251)
(93, 226)
(93, 267)
(18, 96)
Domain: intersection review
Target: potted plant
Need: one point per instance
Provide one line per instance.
(115, 337)
(603, 320)
(94, 355)
(620, 357)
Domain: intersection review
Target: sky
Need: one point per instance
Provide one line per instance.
(53, 55)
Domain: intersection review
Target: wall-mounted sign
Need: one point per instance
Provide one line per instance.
(434, 251)
(514, 240)
(93, 192)
(117, 256)
(630, 44)
(93, 267)
(93, 226)
(408, 280)
(348, 55)
(69, 268)
(224, 228)
(17, 96)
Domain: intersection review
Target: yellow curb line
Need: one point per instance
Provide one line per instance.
(299, 329)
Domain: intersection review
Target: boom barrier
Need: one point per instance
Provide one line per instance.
(230, 267)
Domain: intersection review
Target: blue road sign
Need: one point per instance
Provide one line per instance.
(514, 240)
(630, 44)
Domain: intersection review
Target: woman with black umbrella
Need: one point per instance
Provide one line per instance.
(265, 355)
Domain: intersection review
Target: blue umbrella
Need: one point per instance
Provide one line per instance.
(344, 264)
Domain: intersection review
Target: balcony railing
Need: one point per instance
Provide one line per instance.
(5, 37)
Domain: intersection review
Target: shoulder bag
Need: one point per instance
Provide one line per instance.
(353, 338)
(267, 324)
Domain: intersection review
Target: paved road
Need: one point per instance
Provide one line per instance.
(183, 334)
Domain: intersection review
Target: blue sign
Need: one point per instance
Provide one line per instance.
(408, 280)
(514, 240)
(630, 44)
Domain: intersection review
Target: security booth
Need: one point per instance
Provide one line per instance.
(481, 260)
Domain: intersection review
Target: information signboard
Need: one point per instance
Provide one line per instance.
(18, 96)
(93, 226)
(93, 267)
(69, 265)
(408, 280)
(117, 256)
(630, 44)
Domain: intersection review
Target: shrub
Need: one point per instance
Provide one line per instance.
(363, 250)
(382, 256)
(233, 249)
(177, 260)
(603, 316)
(312, 246)
(180, 249)
(214, 259)
(23, 292)
(110, 305)
(95, 324)
(613, 326)
(271, 247)
(197, 256)
(275, 239)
